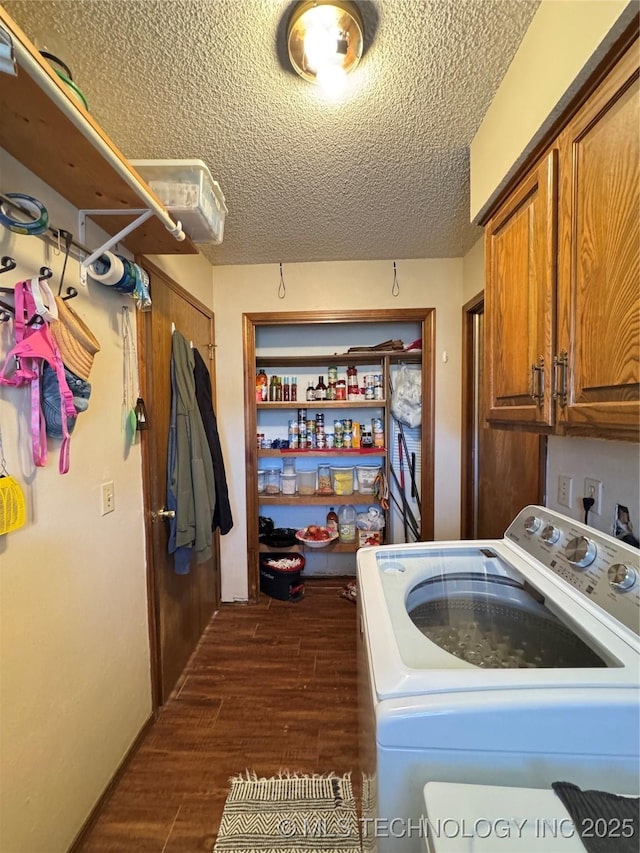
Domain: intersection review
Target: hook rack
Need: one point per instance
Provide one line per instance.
(7, 311)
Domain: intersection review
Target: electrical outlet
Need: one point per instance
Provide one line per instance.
(593, 489)
(108, 498)
(565, 490)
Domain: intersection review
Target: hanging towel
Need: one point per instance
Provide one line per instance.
(604, 821)
(190, 481)
(222, 517)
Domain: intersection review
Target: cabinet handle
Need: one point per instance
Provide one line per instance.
(560, 364)
(536, 386)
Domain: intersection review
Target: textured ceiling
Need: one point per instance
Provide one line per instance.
(383, 174)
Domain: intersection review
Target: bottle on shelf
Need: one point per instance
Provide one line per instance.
(347, 523)
(353, 390)
(262, 383)
(321, 389)
(278, 390)
(294, 388)
(311, 392)
(286, 390)
(332, 519)
(272, 390)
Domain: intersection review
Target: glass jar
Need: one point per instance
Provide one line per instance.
(289, 466)
(324, 480)
(261, 481)
(272, 481)
(288, 484)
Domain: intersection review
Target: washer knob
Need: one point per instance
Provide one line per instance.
(581, 552)
(550, 534)
(531, 523)
(621, 577)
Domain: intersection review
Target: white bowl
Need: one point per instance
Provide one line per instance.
(316, 543)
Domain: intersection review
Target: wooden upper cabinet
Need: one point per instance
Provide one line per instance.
(519, 294)
(599, 259)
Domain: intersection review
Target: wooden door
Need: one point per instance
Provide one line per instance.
(502, 470)
(520, 293)
(599, 256)
(180, 606)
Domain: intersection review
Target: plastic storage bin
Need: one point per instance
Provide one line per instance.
(342, 480)
(282, 582)
(188, 191)
(366, 477)
(306, 482)
(288, 484)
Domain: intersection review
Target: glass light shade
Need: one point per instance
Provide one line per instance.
(324, 38)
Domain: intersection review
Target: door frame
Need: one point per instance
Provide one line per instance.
(250, 321)
(145, 370)
(470, 310)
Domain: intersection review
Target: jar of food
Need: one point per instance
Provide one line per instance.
(306, 482)
(341, 389)
(261, 481)
(324, 480)
(289, 466)
(342, 480)
(288, 484)
(272, 481)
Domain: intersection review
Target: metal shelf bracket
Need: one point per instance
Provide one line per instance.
(143, 215)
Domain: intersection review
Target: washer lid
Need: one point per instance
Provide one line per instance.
(395, 581)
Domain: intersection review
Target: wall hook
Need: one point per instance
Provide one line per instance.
(282, 288)
(7, 264)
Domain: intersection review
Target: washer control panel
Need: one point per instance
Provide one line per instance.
(601, 567)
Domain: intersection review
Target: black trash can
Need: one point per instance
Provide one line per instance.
(280, 575)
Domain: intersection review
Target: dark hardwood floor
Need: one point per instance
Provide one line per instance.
(271, 687)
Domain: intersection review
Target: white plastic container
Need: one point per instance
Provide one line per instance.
(188, 191)
(366, 478)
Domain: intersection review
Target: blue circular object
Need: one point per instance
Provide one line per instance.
(33, 207)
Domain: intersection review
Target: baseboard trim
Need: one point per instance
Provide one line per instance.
(87, 826)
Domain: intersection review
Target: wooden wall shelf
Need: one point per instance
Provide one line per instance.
(36, 131)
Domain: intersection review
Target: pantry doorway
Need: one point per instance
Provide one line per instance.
(288, 337)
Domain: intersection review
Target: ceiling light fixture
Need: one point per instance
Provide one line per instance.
(325, 40)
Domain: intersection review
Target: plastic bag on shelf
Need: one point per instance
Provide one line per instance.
(406, 398)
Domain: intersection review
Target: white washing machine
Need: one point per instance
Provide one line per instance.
(512, 662)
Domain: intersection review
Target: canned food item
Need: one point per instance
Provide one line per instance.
(378, 392)
(377, 425)
(347, 424)
(338, 427)
(378, 439)
(347, 438)
(366, 438)
(302, 415)
(369, 392)
(337, 439)
(369, 380)
(332, 373)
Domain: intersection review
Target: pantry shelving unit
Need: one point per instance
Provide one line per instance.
(58, 140)
(379, 361)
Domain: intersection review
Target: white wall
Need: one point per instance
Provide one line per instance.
(565, 41)
(615, 463)
(74, 644)
(343, 286)
(473, 271)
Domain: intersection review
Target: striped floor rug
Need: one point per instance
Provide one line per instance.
(289, 812)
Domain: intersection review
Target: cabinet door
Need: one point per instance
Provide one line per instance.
(599, 258)
(519, 294)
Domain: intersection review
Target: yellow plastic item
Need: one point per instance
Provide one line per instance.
(12, 505)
